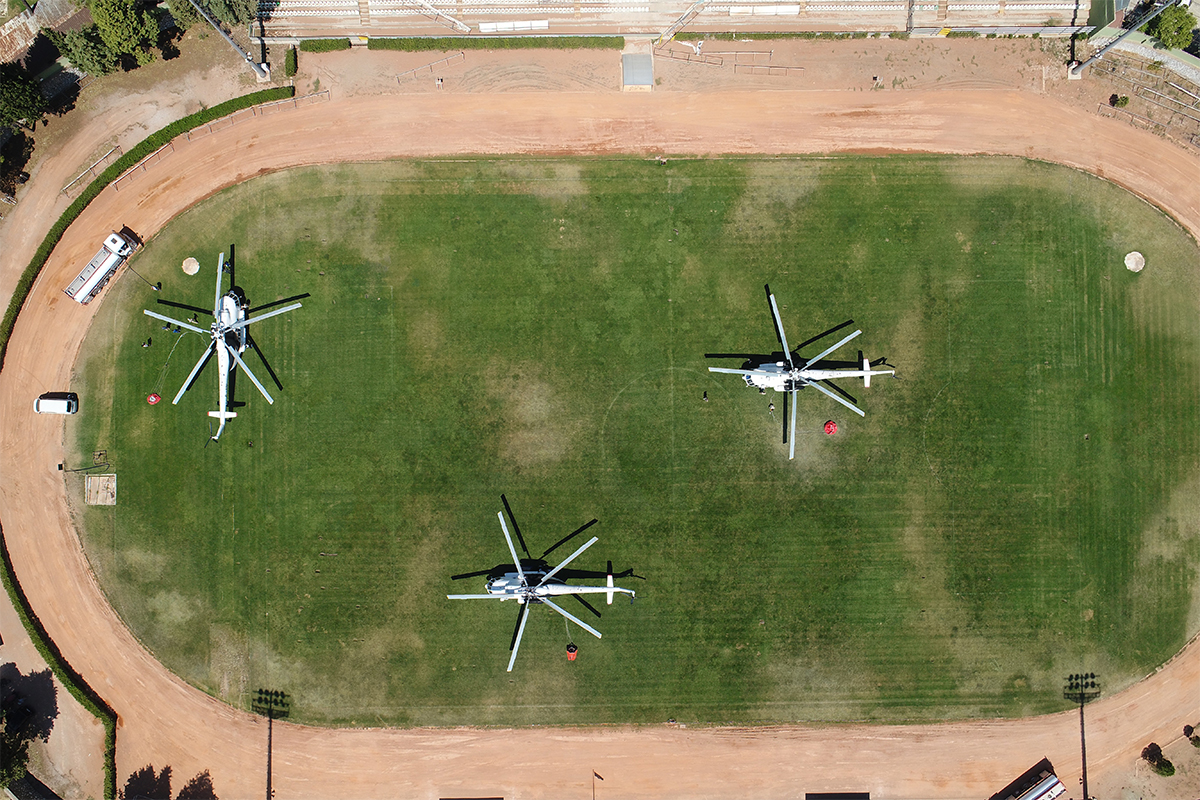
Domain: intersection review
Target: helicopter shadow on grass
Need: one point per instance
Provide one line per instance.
(540, 565)
(229, 267)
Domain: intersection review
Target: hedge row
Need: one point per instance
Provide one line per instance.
(69, 678)
(449, 43)
(324, 45)
(766, 37)
(114, 171)
(74, 682)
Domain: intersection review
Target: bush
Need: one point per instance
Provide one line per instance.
(84, 49)
(901, 35)
(1172, 28)
(73, 681)
(1118, 100)
(324, 45)
(114, 170)
(289, 63)
(446, 44)
(1164, 768)
(962, 35)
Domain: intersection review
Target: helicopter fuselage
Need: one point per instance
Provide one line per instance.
(781, 378)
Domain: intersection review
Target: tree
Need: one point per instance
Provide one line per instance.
(84, 49)
(1152, 753)
(1172, 28)
(14, 754)
(1188, 730)
(20, 97)
(125, 28)
(184, 14)
(233, 12)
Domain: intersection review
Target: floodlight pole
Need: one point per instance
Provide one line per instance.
(254, 65)
(271, 703)
(1076, 70)
(1081, 688)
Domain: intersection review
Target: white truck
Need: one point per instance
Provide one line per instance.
(100, 269)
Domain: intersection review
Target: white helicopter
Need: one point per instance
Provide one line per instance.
(229, 339)
(536, 582)
(789, 377)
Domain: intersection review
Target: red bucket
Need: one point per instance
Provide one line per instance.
(572, 651)
(831, 427)
(153, 398)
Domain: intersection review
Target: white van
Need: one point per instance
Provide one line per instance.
(57, 403)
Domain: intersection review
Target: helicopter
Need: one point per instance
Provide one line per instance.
(793, 374)
(533, 581)
(230, 338)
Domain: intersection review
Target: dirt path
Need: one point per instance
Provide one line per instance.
(164, 722)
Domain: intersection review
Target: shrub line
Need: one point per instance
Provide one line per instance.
(412, 44)
(139, 151)
(72, 680)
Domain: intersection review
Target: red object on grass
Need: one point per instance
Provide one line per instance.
(831, 427)
(572, 650)
(153, 398)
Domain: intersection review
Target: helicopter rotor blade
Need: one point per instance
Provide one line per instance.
(249, 374)
(243, 323)
(511, 549)
(569, 537)
(846, 403)
(516, 642)
(570, 558)
(250, 341)
(512, 518)
(220, 275)
(778, 325)
(824, 353)
(572, 617)
(738, 371)
(195, 371)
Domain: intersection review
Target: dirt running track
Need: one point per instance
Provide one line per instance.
(165, 722)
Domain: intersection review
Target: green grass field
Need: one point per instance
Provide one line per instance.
(1021, 505)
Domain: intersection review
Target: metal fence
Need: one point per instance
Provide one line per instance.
(215, 126)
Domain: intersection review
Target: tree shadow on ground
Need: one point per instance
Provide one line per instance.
(146, 784)
(30, 701)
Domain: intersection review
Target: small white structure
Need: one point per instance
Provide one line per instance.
(1135, 261)
(190, 266)
(637, 72)
(100, 269)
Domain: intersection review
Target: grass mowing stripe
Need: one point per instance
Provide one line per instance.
(538, 327)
